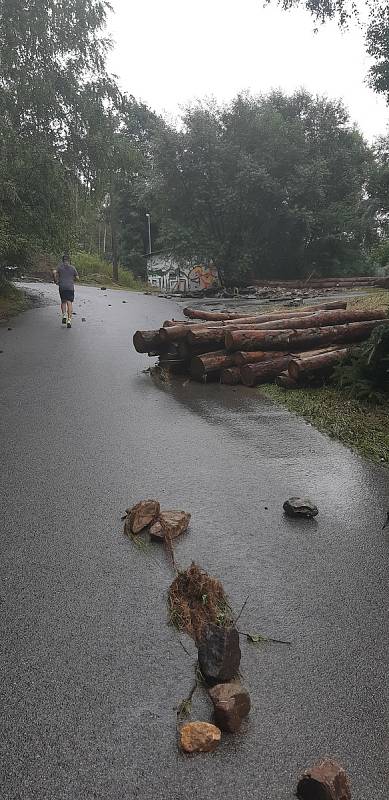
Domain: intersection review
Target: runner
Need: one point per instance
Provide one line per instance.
(64, 276)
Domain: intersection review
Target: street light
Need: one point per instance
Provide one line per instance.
(149, 230)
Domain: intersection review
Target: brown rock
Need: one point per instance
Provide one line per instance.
(171, 524)
(231, 702)
(219, 653)
(141, 515)
(199, 737)
(324, 781)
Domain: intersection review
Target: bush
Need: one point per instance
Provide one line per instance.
(365, 372)
(93, 268)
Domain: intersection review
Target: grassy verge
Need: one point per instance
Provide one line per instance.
(12, 301)
(363, 428)
(94, 270)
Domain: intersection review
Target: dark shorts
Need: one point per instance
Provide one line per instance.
(66, 295)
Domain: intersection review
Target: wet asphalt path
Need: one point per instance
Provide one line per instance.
(91, 673)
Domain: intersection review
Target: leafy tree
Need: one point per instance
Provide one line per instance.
(269, 186)
(48, 51)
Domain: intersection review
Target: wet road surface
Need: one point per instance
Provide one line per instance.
(91, 673)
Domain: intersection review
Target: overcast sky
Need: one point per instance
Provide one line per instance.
(169, 52)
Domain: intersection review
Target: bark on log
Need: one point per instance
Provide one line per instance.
(220, 316)
(253, 374)
(187, 352)
(322, 318)
(284, 380)
(315, 363)
(210, 362)
(240, 357)
(211, 336)
(325, 781)
(298, 339)
(231, 376)
(147, 341)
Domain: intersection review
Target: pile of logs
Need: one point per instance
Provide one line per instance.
(289, 346)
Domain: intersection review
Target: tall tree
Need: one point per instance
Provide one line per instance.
(267, 186)
(48, 51)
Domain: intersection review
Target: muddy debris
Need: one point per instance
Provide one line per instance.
(199, 737)
(219, 653)
(196, 599)
(170, 524)
(231, 703)
(326, 780)
(141, 516)
(300, 507)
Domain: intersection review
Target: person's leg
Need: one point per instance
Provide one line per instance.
(70, 310)
(63, 311)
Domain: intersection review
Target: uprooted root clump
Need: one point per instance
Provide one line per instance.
(196, 599)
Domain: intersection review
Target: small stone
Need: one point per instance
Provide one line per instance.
(103, 288)
(324, 781)
(124, 301)
(219, 653)
(300, 507)
(83, 319)
(231, 703)
(199, 737)
(9, 329)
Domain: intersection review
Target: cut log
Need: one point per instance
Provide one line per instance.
(322, 362)
(147, 341)
(209, 362)
(195, 313)
(325, 781)
(187, 352)
(230, 376)
(299, 339)
(170, 524)
(284, 380)
(141, 516)
(254, 374)
(240, 357)
(337, 317)
(211, 336)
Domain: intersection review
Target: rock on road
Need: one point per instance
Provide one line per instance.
(91, 672)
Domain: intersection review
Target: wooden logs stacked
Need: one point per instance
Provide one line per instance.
(288, 346)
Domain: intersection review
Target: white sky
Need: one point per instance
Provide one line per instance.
(169, 52)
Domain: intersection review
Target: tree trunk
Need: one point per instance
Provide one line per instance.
(322, 318)
(298, 339)
(315, 363)
(253, 374)
(241, 358)
(148, 341)
(210, 362)
(284, 380)
(219, 316)
(186, 351)
(115, 261)
(211, 336)
(231, 376)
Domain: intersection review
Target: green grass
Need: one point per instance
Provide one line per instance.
(93, 269)
(363, 428)
(12, 300)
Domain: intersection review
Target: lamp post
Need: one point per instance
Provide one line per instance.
(149, 231)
